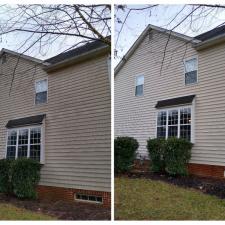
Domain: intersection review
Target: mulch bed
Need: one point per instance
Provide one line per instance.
(210, 186)
(61, 210)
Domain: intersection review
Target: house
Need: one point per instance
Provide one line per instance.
(169, 84)
(58, 112)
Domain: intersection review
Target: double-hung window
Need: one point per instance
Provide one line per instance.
(24, 143)
(139, 87)
(41, 91)
(175, 123)
(191, 71)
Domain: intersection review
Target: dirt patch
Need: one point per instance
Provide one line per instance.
(60, 209)
(210, 186)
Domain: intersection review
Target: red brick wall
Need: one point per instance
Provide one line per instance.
(67, 194)
(206, 170)
(195, 169)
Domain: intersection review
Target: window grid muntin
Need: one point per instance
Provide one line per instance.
(179, 130)
(17, 130)
(161, 124)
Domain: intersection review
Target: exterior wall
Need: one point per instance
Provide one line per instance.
(136, 116)
(77, 124)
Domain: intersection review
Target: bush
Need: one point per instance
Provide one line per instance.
(177, 154)
(124, 153)
(25, 177)
(5, 169)
(156, 154)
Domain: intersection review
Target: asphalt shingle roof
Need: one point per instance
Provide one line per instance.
(76, 52)
(212, 33)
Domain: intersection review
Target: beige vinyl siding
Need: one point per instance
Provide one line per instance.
(136, 116)
(77, 124)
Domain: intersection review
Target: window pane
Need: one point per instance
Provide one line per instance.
(41, 97)
(190, 65)
(139, 90)
(172, 131)
(161, 132)
(23, 137)
(35, 152)
(185, 116)
(140, 80)
(12, 136)
(161, 118)
(173, 117)
(11, 152)
(41, 86)
(191, 77)
(185, 132)
(22, 151)
(35, 135)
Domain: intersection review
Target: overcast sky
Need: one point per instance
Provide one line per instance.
(138, 20)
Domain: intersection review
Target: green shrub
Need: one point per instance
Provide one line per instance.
(124, 153)
(25, 177)
(156, 154)
(5, 169)
(177, 154)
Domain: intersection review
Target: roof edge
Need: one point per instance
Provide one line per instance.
(77, 59)
(30, 58)
(142, 36)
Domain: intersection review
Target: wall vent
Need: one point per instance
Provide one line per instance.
(88, 198)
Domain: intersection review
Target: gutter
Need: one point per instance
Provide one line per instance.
(77, 59)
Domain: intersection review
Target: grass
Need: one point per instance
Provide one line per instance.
(10, 212)
(144, 199)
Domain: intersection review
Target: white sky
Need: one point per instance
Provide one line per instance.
(138, 20)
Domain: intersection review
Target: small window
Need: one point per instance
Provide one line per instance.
(41, 91)
(4, 59)
(191, 71)
(139, 89)
(88, 198)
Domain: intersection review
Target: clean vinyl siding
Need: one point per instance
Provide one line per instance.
(136, 116)
(78, 128)
(77, 125)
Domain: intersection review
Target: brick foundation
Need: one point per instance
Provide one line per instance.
(50, 193)
(195, 169)
(206, 170)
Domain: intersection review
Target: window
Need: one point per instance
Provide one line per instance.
(90, 198)
(24, 142)
(191, 71)
(174, 123)
(139, 89)
(41, 91)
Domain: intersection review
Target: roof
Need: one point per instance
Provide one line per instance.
(211, 34)
(76, 55)
(175, 101)
(32, 120)
(75, 52)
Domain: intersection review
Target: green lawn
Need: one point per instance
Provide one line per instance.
(10, 212)
(144, 199)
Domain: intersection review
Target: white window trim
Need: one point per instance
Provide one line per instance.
(167, 109)
(36, 92)
(187, 59)
(42, 151)
(135, 85)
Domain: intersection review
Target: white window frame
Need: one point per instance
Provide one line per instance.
(35, 82)
(184, 61)
(167, 109)
(135, 84)
(42, 150)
